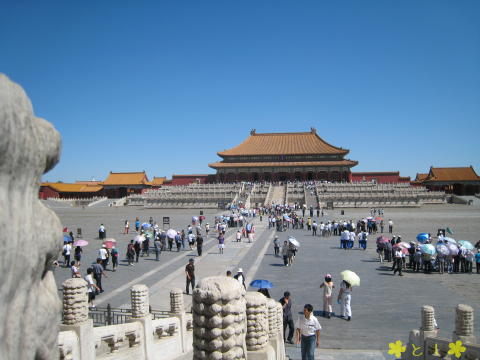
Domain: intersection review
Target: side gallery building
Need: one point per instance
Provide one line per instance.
(283, 156)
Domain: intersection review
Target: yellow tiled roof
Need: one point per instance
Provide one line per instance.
(64, 187)
(452, 174)
(127, 178)
(296, 143)
(156, 181)
(219, 165)
(420, 177)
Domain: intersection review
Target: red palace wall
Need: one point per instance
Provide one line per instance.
(46, 192)
(379, 177)
(187, 179)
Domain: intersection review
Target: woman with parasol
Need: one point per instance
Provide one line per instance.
(345, 295)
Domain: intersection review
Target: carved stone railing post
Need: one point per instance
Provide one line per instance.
(75, 316)
(176, 301)
(464, 324)
(258, 327)
(428, 319)
(280, 346)
(276, 341)
(177, 309)
(141, 313)
(417, 337)
(219, 319)
(140, 301)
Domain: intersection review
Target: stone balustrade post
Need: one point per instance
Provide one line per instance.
(141, 313)
(219, 319)
(464, 324)
(75, 316)
(417, 336)
(258, 327)
(177, 309)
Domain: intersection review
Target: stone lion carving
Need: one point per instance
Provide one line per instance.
(30, 233)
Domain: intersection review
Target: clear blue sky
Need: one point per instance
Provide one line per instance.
(162, 86)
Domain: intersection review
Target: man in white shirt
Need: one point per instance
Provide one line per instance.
(67, 249)
(103, 254)
(308, 330)
(390, 226)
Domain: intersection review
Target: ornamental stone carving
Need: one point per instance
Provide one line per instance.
(219, 319)
(140, 302)
(176, 301)
(75, 301)
(257, 322)
(30, 311)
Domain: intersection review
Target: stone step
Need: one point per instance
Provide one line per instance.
(294, 353)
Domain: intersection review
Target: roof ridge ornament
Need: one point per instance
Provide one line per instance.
(253, 131)
(313, 130)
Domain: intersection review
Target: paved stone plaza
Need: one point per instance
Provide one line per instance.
(385, 307)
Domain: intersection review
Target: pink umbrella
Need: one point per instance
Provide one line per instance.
(405, 245)
(109, 244)
(80, 242)
(382, 239)
(402, 249)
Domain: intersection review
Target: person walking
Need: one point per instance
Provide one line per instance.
(190, 276)
(221, 243)
(240, 277)
(344, 298)
(308, 333)
(92, 288)
(78, 253)
(102, 232)
(477, 261)
(103, 254)
(114, 256)
(67, 250)
(327, 286)
(276, 245)
(397, 257)
(390, 226)
(285, 253)
(126, 227)
(130, 253)
(98, 272)
(199, 244)
(137, 247)
(158, 248)
(137, 224)
(178, 241)
(286, 302)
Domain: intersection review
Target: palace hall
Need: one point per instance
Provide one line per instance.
(283, 156)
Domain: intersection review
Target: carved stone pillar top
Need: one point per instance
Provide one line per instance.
(257, 321)
(219, 320)
(428, 317)
(140, 301)
(464, 320)
(75, 301)
(272, 318)
(176, 301)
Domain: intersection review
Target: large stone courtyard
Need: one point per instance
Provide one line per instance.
(385, 307)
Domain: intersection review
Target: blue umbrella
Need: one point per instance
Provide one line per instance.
(466, 244)
(449, 240)
(261, 284)
(146, 226)
(422, 237)
(428, 249)
(66, 239)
